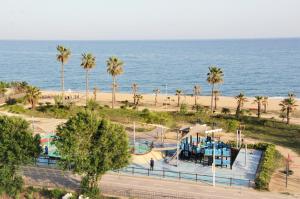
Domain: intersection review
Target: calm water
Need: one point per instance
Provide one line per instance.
(257, 67)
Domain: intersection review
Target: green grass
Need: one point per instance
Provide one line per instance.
(267, 130)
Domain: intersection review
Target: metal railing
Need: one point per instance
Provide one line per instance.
(196, 177)
(228, 181)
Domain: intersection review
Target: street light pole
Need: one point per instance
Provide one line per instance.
(214, 166)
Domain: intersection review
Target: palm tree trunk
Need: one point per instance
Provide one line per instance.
(113, 92)
(87, 86)
(215, 102)
(62, 82)
(155, 99)
(237, 113)
(195, 99)
(288, 115)
(212, 97)
(258, 109)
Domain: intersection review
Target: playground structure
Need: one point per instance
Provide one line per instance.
(206, 150)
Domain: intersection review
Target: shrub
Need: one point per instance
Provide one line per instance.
(225, 110)
(183, 109)
(232, 125)
(16, 109)
(268, 165)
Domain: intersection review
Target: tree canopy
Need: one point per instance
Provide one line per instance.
(17, 147)
(92, 146)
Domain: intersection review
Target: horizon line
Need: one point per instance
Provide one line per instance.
(182, 39)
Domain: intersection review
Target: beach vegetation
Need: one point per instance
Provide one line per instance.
(288, 105)
(241, 99)
(156, 92)
(90, 147)
(33, 95)
(18, 147)
(114, 68)
(214, 77)
(134, 88)
(258, 100)
(63, 57)
(178, 94)
(225, 110)
(183, 109)
(88, 61)
(196, 92)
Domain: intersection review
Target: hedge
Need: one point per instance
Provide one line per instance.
(269, 162)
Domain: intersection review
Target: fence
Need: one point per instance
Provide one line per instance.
(228, 181)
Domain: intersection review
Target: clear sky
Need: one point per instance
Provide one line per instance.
(148, 19)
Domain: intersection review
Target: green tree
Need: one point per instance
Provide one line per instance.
(134, 88)
(88, 61)
(2, 91)
(258, 100)
(196, 92)
(178, 93)
(91, 147)
(288, 105)
(114, 68)
(241, 99)
(214, 76)
(33, 95)
(17, 147)
(63, 57)
(156, 92)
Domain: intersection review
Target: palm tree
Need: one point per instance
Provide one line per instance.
(178, 93)
(265, 103)
(258, 100)
(95, 93)
(214, 76)
(241, 99)
(216, 94)
(63, 56)
(114, 68)
(88, 61)
(138, 98)
(134, 88)
(196, 92)
(288, 105)
(156, 92)
(32, 96)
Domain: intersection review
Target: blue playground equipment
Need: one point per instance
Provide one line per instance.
(202, 150)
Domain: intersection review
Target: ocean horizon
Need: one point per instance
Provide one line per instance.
(268, 67)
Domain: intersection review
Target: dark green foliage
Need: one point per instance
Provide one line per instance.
(225, 110)
(17, 147)
(91, 147)
(269, 163)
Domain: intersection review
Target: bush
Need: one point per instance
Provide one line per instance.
(183, 109)
(232, 125)
(16, 109)
(225, 110)
(268, 166)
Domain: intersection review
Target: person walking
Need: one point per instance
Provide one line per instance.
(151, 164)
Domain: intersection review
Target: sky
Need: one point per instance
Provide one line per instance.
(148, 19)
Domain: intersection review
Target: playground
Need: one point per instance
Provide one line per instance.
(197, 153)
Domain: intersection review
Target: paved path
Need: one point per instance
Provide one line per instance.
(143, 187)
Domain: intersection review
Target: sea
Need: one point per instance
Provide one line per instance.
(268, 67)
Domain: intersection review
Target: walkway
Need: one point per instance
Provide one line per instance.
(142, 187)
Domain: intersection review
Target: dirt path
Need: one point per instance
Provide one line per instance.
(278, 181)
